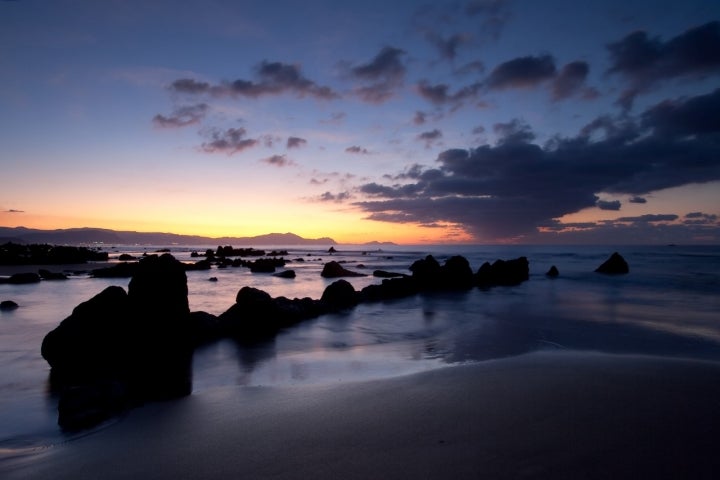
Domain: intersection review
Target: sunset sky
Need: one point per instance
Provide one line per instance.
(473, 121)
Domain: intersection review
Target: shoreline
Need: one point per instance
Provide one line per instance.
(538, 415)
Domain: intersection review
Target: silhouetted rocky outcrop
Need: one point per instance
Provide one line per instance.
(121, 270)
(553, 272)
(503, 273)
(335, 270)
(48, 275)
(340, 294)
(21, 278)
(119, 348)
(615, 265)
(43, 254)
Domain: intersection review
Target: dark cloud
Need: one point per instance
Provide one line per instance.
(420, 118)
(612, 205)
(570, 81)
(382, 75)
(335, 197)
(295, 142)
(430, 137)
(699, 218)
(278, 161)
(358, 150)
(685, 116)
(513, 188)
(522, 72)
(188, 85)
(637, 199)
(645, 62)
(230, 141)
(182, 116)
(12, 210)
(514, 131)
(440, 94)
(272, 78)
(649, 218)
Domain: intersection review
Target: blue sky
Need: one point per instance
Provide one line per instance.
(446, 121)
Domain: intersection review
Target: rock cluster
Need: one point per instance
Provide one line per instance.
(131, 346)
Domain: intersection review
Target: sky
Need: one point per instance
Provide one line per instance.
(460, 121)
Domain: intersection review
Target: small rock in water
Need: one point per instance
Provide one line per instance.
(8, 305)
(553, 272)
(614, 265)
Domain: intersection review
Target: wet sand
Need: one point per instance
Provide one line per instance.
(542, 415)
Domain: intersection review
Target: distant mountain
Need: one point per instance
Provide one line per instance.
(76, 236)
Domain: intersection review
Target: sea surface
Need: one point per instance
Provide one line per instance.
(668, 305)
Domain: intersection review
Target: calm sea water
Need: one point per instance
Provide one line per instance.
(669, 305)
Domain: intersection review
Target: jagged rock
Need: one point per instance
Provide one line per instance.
(8, 305)
(553, 272)
(266, 265)
(340, 294)
(48, 275)
(199, 265)
(503, 273)
(615, 265)
(426, 272)
(454, 274)
(389, 289)
(335, 270)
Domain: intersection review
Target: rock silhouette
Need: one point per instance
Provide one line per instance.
(615, 265)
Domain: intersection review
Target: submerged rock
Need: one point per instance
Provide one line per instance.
(615, 265)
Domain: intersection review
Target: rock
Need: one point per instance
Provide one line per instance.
(205, 327)
(48, 275)
(85, 406)
(334, 270)
(332, 250)
(140, 339)
(385, 274)
(286, 274)
(8, 305)
(22, 278)
(615, 265)
(121, 270)
(455, 274)
(340, 294)
(389, 289)
(553, 272)
(426, 272)
(199, 265)
(266, 265)
(126, 257)
(503, 273)
(212, 279)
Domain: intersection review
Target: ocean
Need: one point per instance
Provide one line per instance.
(668, 305)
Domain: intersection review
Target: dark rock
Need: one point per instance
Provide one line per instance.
(389, 289)
(8, 305)
(615, 265)
(286, 274)
(266, 265)
(332, 250)
(553, 272)
(385, 274)
(121, 270)
(453, 275)
(140, 339)
(199, 265)
(503, 273)
(426, 272)
(43, 254)
(340, 294)
(23, 278)
(85, 406)
(335, 270)
(48, 275)
(126, 257)
(205, 327)
(212, 279)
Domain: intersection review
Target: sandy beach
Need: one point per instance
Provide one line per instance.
(541, 415)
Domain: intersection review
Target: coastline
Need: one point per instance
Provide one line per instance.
(540, 415)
